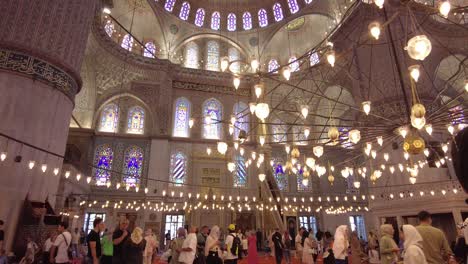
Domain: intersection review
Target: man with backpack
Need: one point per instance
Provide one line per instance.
(233, 246)
(59, 251)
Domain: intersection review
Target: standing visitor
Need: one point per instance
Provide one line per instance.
(94, 242)
(233, 244)
(133, 247)
(151, 245)
(201, 242)
(252, 256)
(328, 257)
(189, 247)
(47, 246)
(413, 253)
(119, 237)
(279, 246)
(461, 247)
(388, 247)
(176, 245)
(31, 250)
(107, 248)
(245, 243)
(435, 245)
(59, 251)
(298, 244)
(212, 249)
(340, 245)
(307, 249)
(75, 241)
(167, 238)
(287, 241)
(356, 250)
(314, 245)
(259, 239)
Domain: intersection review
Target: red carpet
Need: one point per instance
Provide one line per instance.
(261, 260)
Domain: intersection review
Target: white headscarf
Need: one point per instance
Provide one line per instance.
(413, 246)
(341, 243)
(412, 236)
(213, 237)
(214, 233)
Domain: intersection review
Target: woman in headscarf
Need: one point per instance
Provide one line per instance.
(388, 247)
(134, 247)
(413, 253)
(151, 245)
(252, 256)
(176, 245)
(356, 250)
(307, 250)
(341, 244)
(212, 250)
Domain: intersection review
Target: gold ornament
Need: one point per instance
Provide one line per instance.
(418, 110)
(295, 153)
(414, 144)
(333, 133)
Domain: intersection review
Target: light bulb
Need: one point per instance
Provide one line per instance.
(306, 132)
(305, 181)
(287, 148)
(236, 145)
(236, 81)
(44, 167)
(262, 110)
(318, 151)
(392, 169)
(191, 122)
(400, 166)
(261, 177)
(366, 107)
(386, 156)
(208, 151)
(426, 152)
(88, 179)
(357, 184)
(78, 177)
(117, 186)
(106, 10)
(374, 154)
(444, 8)
(414, 72)
(3, 156)
(304, 111)
(444, 148)
(262, 140)
(231, 166)
(406, 155)
(466, 85)
(374, 29)
(310, 162)
(403, 132)
(31, 164)
(231, 129)
(252, 107)
(241, 151)
(224, 63)
(67, 174)
(137, 189)
(419, 47)
(331, 57)
(428, 128)
(56, 171)
(258, 90)
(418, 123)
(380, 140)
(354, 136)
(379, 3)
(222, 147)
(207, 119)
(450, 129)
(254, 64)
(286, 72)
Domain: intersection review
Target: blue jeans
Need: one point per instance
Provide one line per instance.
(340, 261)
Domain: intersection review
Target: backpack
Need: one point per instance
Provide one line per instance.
(236, 246)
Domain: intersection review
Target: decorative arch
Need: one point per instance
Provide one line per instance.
(127, 42)
(262, 18)
(109, 118)
(184, 11)
(200, 17)
(213, 114)
(231, 22)
(181, 117)
(234, 55)
(133, 166)
(278, 12)
(247, 21)
(150, 50)
(136, 120)
(103, 157)
(215, 20)
(212, 55)
(191, 54)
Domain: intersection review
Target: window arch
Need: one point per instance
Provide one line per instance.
(273, 66)
(215, 20)
(200, 17)
(181, 118)
(279, 131)
(241, 111)
(133, 166)
(184, 11)
(281, 177)
(293, 6)
(150, 50)
(212, 113)
(169, 5)
(314, 59)
(109, 118)
(294, 64)
(247, 21)
(103, 157)
(262, 18)
(191, 55)
(234, 55)
(136, 120)
(231, 22)
(109, 28)
(212, 55)
(240, 177)
(127, 42)
(278, 12)
(299, 137)
(178, 175)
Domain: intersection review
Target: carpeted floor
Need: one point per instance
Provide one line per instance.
(262, 259)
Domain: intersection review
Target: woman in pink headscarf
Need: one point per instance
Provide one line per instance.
(252, 257)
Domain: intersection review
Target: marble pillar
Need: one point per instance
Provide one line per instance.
(41, 49)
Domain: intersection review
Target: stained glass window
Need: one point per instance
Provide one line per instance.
(273, 66)
(191, 55)
(234, 55)
(215, 20)
(200, 17)
(308, 1)
(212, 55)
(278, 12)
(314, 59)
(109, 118)
(184, 11)
(299, 137)
(247, 21)
(281, 177)
(231, 22)
(127, 42)
(109, 28)
(169, 5)
(150, 50)
(103, 157)
(300, 184)
(178, 168)
(181, 117)
(294, 64)
(240, 177)
(356, 223)
(133, 166)
(241, 110)
(278, 131)
(136, 120)
(308, 222)
(212, 113)
(262, 18)
(293, 6)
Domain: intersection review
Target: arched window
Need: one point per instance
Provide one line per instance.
(191, 55)
(299, 137)
(178, 174)
(247, 21)
(278, 12)
(184, 11)
(273, 66)
(169, 5)
(234, 55)
(215, 20)
(181, 118)
(241, 111)
(231, 22)
(308, 1)
(294, 64)
(212, 55)
(150, 50)
(133, 166)
(293, 6)
(212, 113)
(136, 120)
(200, 17)
(262, 18)
(109, 28)
(127, 42)
(281, 177)
(300, 182)
(314, 59)
(240, 177)
(109, 118)
(103, 157)
(279, 131)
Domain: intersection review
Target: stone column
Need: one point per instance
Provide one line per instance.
(41, 49)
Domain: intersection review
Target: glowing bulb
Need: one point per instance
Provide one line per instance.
(88, 179)
(374, 29)
(419, 47)
(44, 167)
(31, 164)
(287, 72)
(3, 156)
(444, 148)
(392, 169)
(306, 132)
(231, 129)
(252, 107)
(400, 166)
(191, 122)
(262, 110)
(305, 182)
(261, 177)
(304, 111)
(208, 151)
(241, 151)
(106, 10)
(444, 8)
(386, 156)
(254, 64)
(231, 166)
(380, 140)
(67, 174)
(374, 154)
(287, 148)
(414, 72)
(310, 162)
(78, 177)
(236, 81)
(406, 155)
(379, 3)
(222, 147)
(403, 132)
(262, 140)
(331, 57)
(224, 63)
(450, 129)
(426, 152)
(318, 151)
(366, 107)
(258, 90)
(56, 171)
(428, 128)
(418, 122)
